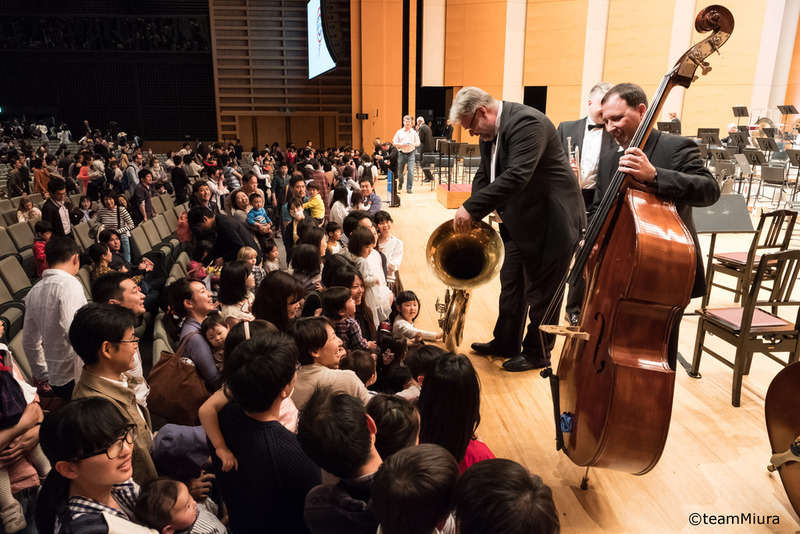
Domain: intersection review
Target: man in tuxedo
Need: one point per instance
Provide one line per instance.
(592, 140)
(525, 177)
(669, 165)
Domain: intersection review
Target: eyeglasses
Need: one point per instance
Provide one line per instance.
(116, 447)
(134, 340)
(472, 122)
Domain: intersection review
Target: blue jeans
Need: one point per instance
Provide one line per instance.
(125, 246)
(407, 161)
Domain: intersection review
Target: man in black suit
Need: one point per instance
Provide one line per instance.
(425, 145)
(525, 177)
(592, 140)
(670, 165)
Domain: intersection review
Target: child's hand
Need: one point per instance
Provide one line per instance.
(440, 336)
(228, 459)
(371, 345)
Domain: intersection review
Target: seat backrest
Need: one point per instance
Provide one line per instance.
(20, 360)
(82, 235)
(15, 278)
(177, 272)
(158, 206)
(184, 261)
(35, 198)
(162, 227)
(167, 201)
(180, 208)
(10, 217)
(140, 245)
(7, 246)
(15, 202)
(75, 199)
(172, 220)
(5, 204)
(22, 235)
(149, 228)
(782, 270)
(84, 275)
(774, 231)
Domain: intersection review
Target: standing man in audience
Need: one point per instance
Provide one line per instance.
(448, 130)
(142, 198)
(592, 140)
(525, 178)
(669, 165)
(102, 335)
(14, 183)
(55, 209)
(131, 178)
(180, 179)
(226, 232)
(426, 144)
(49, 308)
(406, 140)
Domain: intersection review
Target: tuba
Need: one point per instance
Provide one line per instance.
(462, 262)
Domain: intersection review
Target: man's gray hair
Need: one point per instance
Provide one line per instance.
(599, 89)
(408, 117)
(420, 119)
(468, 100)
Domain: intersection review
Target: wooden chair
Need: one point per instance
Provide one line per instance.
(750, 328)
(773, 234)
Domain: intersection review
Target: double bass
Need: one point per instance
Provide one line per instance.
(613, 391)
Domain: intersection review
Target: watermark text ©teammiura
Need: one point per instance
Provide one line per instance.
(696, 519)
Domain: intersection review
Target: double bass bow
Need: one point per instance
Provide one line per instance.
(613, 392)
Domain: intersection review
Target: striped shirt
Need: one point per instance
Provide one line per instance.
(117, 218)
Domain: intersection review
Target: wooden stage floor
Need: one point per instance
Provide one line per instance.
(715, 458)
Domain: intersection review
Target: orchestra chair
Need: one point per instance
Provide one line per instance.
(752, 329)
(773, 234)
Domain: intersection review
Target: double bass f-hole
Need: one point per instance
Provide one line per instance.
(598, 361)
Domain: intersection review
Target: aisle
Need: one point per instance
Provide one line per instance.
(715, 458)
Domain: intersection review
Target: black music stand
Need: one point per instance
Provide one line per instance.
(794, 161)
(669, 127)
(786, 110)
(719, 154)
(728, 215)
(745, 129)
(467, 153)
(738, 138)
(739, 112)
(770, 132)
(755, 157)
(767, 144)
(711, 139)
(450, 149)
(701, 131)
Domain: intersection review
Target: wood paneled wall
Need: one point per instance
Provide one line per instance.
(260, 67)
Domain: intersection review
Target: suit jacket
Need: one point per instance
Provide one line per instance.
(534, 191)
(682, 178)
(425, 138)
(50, 214)
(576, 130)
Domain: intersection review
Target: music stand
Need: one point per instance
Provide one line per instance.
(786, 110)
(794, 161)
(767, 144)
(701, 131)
(770, 132)
(729, 215)
(668, 127)
(468, 151)
(744, 129)
(738, 138)
(755, 157)
(719, 154)
(739, 112)
(711, 139)
(744, 170)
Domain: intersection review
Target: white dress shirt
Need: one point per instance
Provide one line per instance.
(49, 308)
(590, 157)
(403, 138)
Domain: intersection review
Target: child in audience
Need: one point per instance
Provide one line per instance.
(334, 231)
(338, 306)
(362, 363)
(250, 255)
(450, 407)
(501, 496)
(315, 203)
(412, 490)
(259, 220)
(85, 207)
(305, 267)
(235, 292)
(406, 310)
(397, 421)
(215, 330)
(419, 362)
(271, 257)
(197, 270)
(166, 505)
(44, 230)
(377, 297)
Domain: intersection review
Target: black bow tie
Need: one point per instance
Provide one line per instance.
(593, 126)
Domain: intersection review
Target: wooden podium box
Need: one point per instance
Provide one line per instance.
(453, 198)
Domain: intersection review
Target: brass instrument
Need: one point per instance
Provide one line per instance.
(574, 156)
(462, 262)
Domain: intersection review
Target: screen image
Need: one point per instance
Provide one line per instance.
(319, 58)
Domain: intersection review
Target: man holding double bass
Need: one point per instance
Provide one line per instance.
(669, 164)
(525, 177)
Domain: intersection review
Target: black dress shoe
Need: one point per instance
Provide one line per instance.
(574, 319)
(523, 362)
(484, 349)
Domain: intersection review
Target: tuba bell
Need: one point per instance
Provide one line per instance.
(463, 262)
